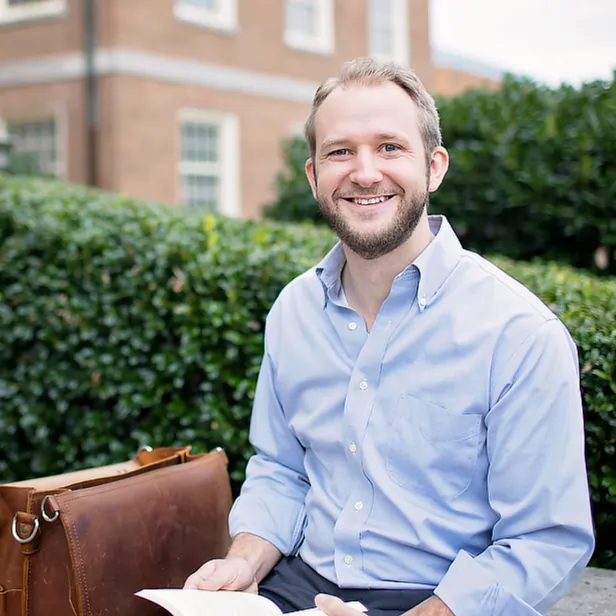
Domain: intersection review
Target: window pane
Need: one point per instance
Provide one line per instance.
(200, 142)
(301, 16)
(381, 27)
(208, 5)
(201, 191)
(36, 141)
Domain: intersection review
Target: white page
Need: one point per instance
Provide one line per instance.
(183, 602)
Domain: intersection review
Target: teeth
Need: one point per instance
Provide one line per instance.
(372, 201)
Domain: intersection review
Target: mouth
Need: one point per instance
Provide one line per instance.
(367, 201)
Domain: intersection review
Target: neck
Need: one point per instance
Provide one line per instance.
(367, 283)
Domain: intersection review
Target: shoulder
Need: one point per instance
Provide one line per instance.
(518, 322)
(490, 289)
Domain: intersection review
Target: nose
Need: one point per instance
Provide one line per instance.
(366, 171)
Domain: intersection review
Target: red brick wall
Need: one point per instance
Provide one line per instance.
(450, 82)
(50, 36)
(140, 145)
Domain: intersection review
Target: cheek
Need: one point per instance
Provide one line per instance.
(331, 177)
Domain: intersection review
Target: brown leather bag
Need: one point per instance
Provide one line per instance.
(80, 544)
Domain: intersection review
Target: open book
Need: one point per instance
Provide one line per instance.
(184, 602)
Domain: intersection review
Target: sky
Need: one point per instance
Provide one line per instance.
(552, 41)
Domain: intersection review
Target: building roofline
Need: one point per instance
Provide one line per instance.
(465, 64)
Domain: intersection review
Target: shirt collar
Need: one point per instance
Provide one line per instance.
(434, 264)
(437, 261)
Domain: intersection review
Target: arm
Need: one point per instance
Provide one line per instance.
(537, 485)
(267, 520)
(248, 561)
(272, 501)
(261, 555)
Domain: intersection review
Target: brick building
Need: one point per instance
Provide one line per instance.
(187, 101)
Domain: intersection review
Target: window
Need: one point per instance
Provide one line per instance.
(209, 165)
(217, 14)
(309, 25)
(18, 10)
(35, 144)
(389, 30)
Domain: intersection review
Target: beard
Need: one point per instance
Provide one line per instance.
(374, 244)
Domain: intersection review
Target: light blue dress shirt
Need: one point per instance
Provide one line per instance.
(443, 450)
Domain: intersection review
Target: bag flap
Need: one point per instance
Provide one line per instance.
(149, 530)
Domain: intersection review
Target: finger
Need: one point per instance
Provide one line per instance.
(332, 606)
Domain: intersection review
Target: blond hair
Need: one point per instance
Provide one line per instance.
(369, 72)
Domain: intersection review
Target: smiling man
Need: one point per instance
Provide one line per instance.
(417, 422)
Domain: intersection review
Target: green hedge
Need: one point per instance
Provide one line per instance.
(532, 174)
(124, 323)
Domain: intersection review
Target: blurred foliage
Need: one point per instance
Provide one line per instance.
(126, 323)
(532, 172)
(25, 163)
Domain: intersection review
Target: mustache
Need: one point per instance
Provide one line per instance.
(366, 192)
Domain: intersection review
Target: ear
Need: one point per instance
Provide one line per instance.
(439, 163)
(311, 175)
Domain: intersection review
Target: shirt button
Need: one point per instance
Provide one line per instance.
(422, 301)
(363, 385)
(348, 559)
(352, 326)
(352, 447)
(359, 506)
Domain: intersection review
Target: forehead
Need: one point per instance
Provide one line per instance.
(356, 111)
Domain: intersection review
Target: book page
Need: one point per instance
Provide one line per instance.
(183, 602)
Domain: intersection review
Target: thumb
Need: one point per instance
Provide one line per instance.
(333, 606)
(205, 578)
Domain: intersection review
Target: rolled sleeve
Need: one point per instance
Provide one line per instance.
(272, 501)
(537, 486)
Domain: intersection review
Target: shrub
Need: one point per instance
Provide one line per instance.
(532, 174)
(124, 323)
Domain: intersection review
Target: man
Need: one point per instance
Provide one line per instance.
(417, 422)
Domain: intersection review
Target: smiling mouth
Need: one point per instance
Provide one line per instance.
(369, 200)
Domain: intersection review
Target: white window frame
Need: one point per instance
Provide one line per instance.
(60, 135)
(224, 19)
(323, 41)
(227, 169)
(401, 49)
(36, 10)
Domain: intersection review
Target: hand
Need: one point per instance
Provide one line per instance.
(224, 574)
(332, 606)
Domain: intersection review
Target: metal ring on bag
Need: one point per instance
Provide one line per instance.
(27, 539)
(144, 448)
(47, 518)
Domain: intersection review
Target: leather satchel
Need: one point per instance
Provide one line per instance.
(81, 544)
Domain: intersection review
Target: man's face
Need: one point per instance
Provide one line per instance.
(370, 176)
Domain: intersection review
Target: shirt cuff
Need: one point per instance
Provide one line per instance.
(281, 525)
(468, 589)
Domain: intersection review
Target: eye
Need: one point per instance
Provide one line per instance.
(391, 147)
(340, 152)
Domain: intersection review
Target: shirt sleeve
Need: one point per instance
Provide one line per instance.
(271, 504)
(537, 485)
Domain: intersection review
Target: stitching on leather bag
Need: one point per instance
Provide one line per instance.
(78, 564)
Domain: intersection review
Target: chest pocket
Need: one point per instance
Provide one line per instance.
(432, 451)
